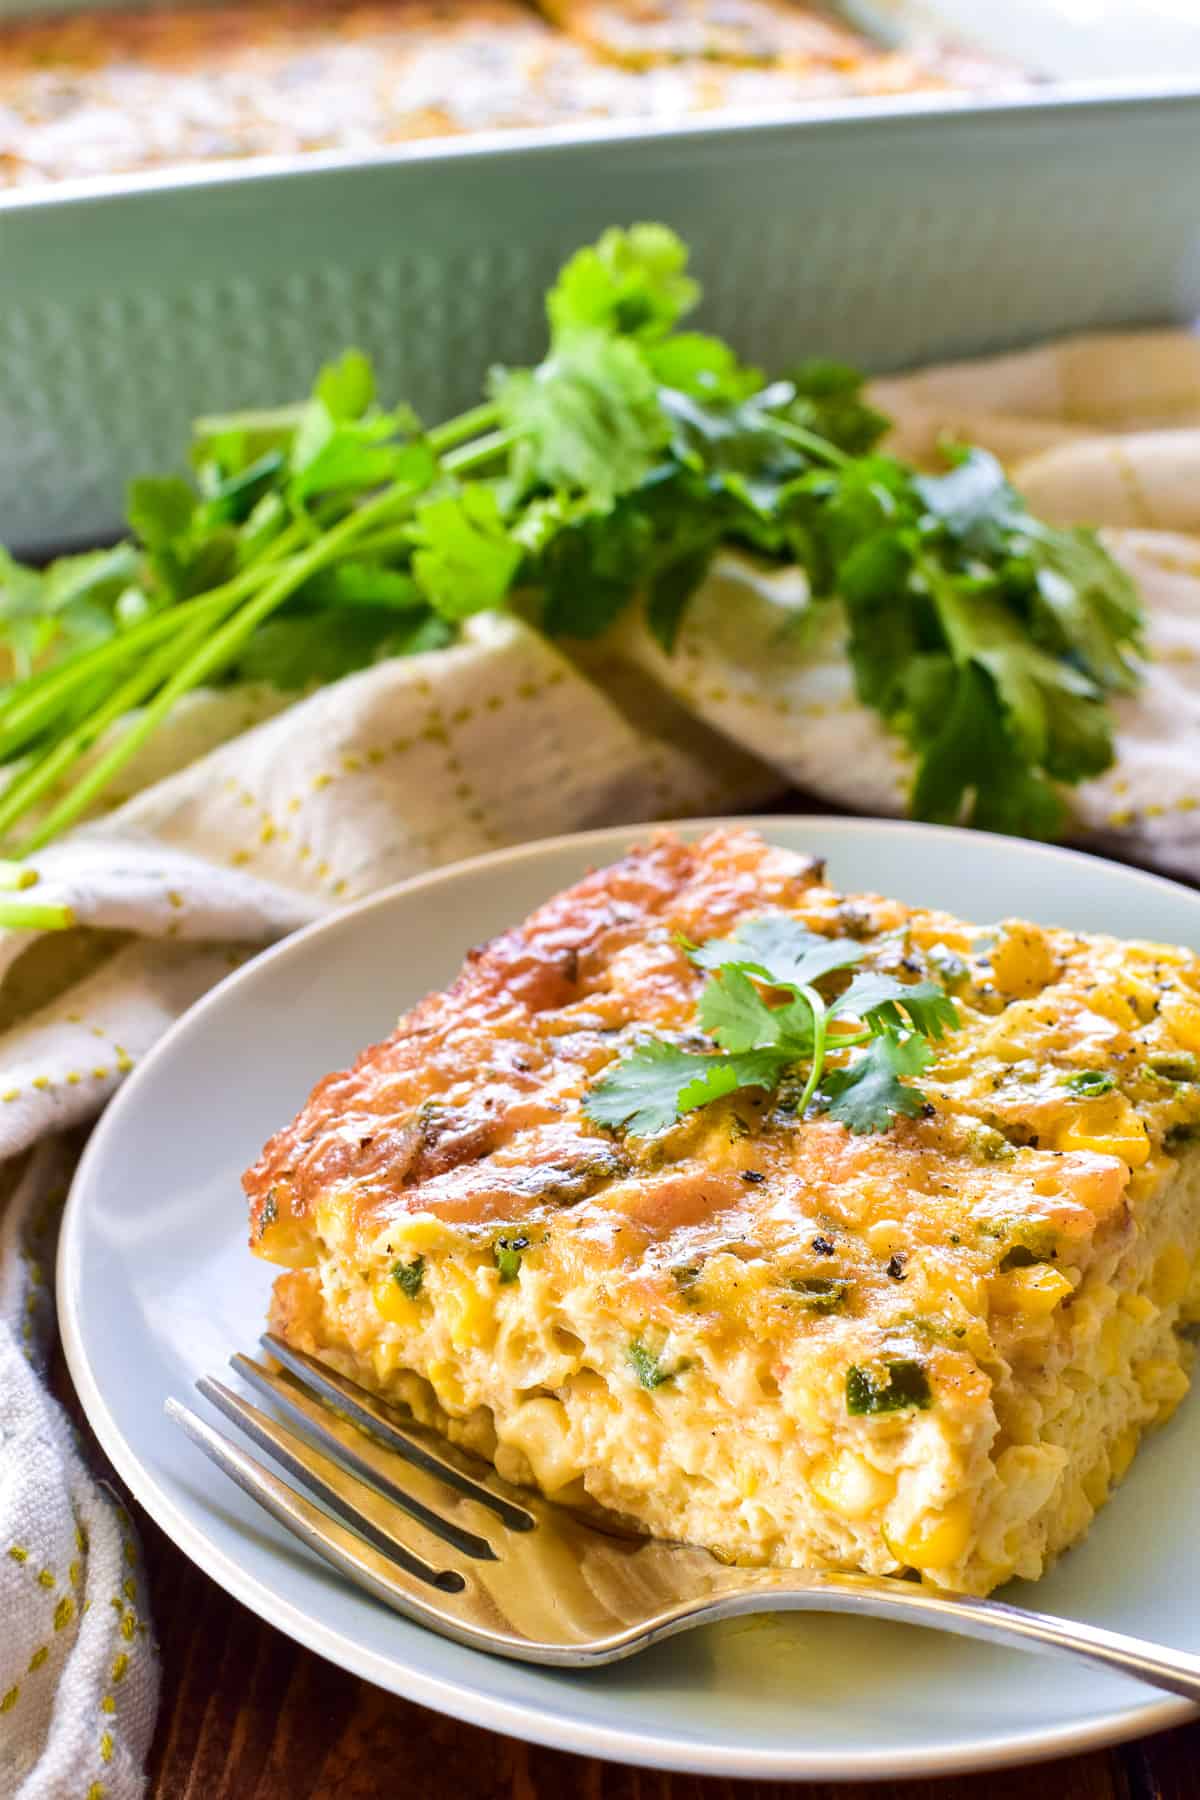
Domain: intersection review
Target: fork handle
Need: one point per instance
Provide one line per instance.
(993, 1621)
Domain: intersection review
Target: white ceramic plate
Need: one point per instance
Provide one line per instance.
(156, 1287)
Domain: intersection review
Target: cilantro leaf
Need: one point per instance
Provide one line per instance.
(346, 388)
(879, 1000)
(702, 367)
(409, 1277)
(733, 1011)
(467, 559)
(868, 1094)
(828, 399)
(650, 1088)
(781, 950)
(160, 509)
(587, 419)
(630, 284)
(1088, 604)
(297, 650)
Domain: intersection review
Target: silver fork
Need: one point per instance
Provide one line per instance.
(434, 1533)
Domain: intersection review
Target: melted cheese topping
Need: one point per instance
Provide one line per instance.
(932, 1347)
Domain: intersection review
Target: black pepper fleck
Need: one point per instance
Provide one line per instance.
(895, 1266)
(753, 1175)
(822, 1246)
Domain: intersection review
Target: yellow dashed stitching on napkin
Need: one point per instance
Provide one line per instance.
(97, 1791)
(12, 1094)
(1122, 818)
(108, 1704)
(106, 1746)
(120, 1665)
(64, 1612)
(38, 1658)
(9, 1700)
(1187, 804)
(1131, 482)
(18, 1553)
(45, 1578)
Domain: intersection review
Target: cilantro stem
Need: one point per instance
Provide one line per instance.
(23, 915)
(820, 1028)
(29, 711)
(811, 441)
(467, 425)
(40, 775)
(482, 451)
(211, 656)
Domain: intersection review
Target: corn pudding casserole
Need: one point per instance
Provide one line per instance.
(813, 1228)
(135, 88)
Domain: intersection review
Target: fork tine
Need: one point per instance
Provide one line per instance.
(433, 1503)
(447, 1463)
(357, 1505)
(399, 1578)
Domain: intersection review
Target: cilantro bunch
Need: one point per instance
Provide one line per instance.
(767, 1007)
(313, 539)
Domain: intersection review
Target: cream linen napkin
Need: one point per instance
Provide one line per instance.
(403, 767)
(417, 763)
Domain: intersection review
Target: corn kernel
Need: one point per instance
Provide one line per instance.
(469, 1317)
(1022, 961)
(421, 1231)
(385, 1358)
(1172, 1275)
(446, 1385)
(1140, 1307)
(1107, 1127)
(1163, 1383)
(1114, 1006)
(1035, 1291)
(1095, 1483)
(937, 1540)
(747, 1481)
(392, 1303)
(725, 1280)
(885, 1236)
(1113, 1336)
(1183, 1020)
(1123, 1452)
(847, 1484)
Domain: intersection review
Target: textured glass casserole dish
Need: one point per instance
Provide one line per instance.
(884, 231)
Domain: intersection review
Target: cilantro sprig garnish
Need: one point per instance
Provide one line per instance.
(313, 539)
(769, 1014)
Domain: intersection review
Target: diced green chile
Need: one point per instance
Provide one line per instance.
(1179, 1066)
(408, 1277)
(893, 1386)
(507, 1253)
(820, 1293)
(1090, 1083)
(648, 1367)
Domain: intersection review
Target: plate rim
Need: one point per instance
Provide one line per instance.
(521, 1719)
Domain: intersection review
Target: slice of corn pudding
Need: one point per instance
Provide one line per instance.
(933, 1348)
